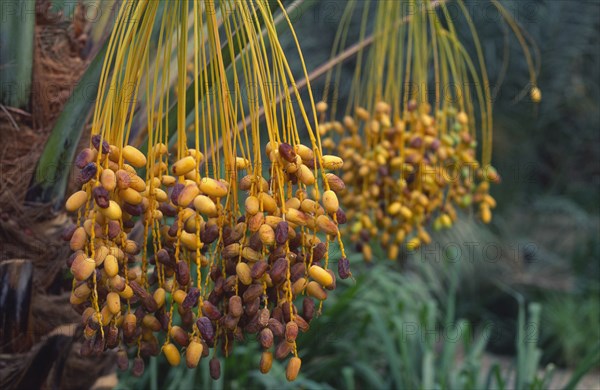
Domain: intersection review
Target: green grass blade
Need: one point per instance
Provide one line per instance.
(495, 372)
(521, 349)
(348, 375)
(153, 373)
(393, 357)
(406, 347)
(428, 358)
(591, 361)
(449, 350)
(531, 340)
(449, 345)
(548, 376)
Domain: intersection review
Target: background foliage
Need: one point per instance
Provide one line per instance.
(479, 308)
(374, 333)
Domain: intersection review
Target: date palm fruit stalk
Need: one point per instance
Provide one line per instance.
(230, 239)
(410, 160)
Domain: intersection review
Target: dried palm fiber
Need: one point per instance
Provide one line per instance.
(228, 237)
(38, 354)
(416, 134)
(57, 67)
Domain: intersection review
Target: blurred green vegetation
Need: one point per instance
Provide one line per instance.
(373, 332)
(548, 219)
(384, 330)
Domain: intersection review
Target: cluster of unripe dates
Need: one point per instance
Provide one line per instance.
(404, 175)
